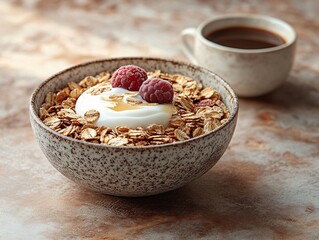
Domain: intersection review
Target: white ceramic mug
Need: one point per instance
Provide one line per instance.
(251, 72)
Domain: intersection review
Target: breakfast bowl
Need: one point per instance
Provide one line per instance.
(133, 171)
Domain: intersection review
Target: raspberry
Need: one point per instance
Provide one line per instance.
(129, 77)
(157, 90)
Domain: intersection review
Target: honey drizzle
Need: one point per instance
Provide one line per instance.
(120, 105)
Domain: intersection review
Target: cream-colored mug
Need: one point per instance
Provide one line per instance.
(251, 72)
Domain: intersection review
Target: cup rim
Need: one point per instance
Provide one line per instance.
(247, 16)
(35, 117)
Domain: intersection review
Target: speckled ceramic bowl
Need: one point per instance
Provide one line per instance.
(133, 171)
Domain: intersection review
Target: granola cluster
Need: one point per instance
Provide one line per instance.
(197, 111)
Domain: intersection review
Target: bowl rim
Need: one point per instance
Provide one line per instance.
(228, 88)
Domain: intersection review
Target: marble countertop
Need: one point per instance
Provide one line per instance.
(266, 186)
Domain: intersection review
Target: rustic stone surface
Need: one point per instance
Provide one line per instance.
(264, 187)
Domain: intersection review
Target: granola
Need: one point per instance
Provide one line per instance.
(197, 110)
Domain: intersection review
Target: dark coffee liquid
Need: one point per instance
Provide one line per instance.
(245, 38)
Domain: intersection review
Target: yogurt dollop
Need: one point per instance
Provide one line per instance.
(117, 108)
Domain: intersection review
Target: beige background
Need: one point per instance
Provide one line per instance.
(266, 186)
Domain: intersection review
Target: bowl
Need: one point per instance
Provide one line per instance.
(133, 171)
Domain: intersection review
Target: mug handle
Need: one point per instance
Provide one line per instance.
(187, 35)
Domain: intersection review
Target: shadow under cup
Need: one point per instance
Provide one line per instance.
(252, 71)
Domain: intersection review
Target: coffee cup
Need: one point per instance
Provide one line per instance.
(253, 53)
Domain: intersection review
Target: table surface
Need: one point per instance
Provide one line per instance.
(266, 186)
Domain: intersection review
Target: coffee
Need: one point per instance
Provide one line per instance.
(245, 37)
